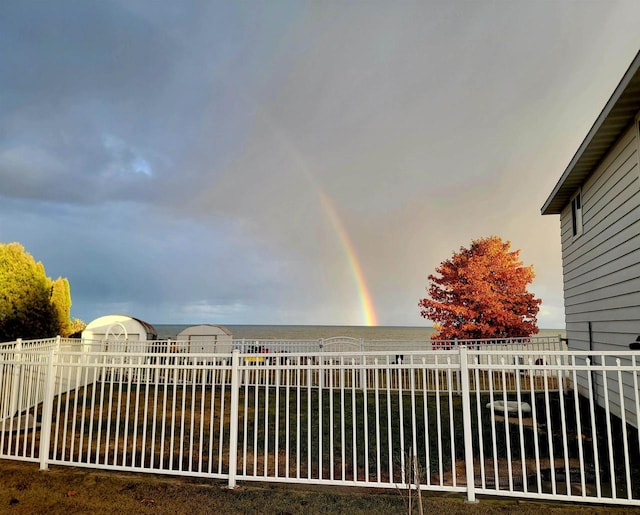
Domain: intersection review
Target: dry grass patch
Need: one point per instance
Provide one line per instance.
(64, 490)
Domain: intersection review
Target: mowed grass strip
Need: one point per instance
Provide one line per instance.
(64, 490)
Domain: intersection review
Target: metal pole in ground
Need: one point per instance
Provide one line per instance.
(233, 423)
(15, 383)
(361, 371)
(47, 409)
(466, 423)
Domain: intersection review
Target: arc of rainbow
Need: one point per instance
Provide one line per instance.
(368, 310)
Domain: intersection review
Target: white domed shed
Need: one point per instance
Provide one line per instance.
(120, 328)
(206, 339)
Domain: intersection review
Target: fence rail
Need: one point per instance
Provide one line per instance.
(544, 424)
(333, 344)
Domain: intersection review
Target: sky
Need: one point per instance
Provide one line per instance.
(249, 162)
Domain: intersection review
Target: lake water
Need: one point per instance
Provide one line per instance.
(314, 332)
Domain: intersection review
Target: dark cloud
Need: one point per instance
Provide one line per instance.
(62, 54)
(77, 74)
(174, 160)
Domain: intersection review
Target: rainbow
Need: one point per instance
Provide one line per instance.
(368, 311)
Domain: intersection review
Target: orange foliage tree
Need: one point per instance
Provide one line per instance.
(481, 292)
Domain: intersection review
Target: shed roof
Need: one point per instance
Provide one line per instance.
(205, 329)
(149, 329)
(618, 113)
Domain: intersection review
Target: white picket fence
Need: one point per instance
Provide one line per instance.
(545, 424)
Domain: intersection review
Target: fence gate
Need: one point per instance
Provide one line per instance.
(341, 344)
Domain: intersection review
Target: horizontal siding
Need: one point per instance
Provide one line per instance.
(620, 204)
(627, 313)
(604, 346)
(601, 267)
(607, 268)
(607, 327)
(610, 273)
(605, 335)
(619, 295)
(612, 170)
(623, 227)
(612, 174)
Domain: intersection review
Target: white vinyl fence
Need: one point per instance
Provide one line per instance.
(469, 418)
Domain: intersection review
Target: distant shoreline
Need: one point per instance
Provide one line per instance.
(315, 332)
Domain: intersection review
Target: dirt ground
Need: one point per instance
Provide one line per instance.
(24, 489)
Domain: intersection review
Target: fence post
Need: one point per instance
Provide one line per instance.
(362, 365)
(47, 409)
(233, 422)
(321, 369)
(466, 424)
(15, 379)
(459, 389)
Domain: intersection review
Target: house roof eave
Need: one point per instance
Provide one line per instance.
(616, 116)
